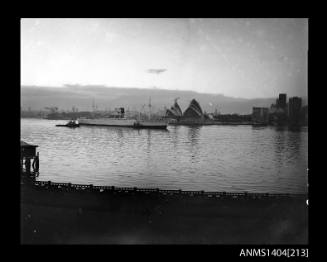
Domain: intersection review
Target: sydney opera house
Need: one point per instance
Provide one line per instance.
(192, 114)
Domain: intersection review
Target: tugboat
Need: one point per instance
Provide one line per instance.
(71, 123)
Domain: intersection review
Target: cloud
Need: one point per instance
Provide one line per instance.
(156, 71)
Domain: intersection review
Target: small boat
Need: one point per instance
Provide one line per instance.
(71, 123)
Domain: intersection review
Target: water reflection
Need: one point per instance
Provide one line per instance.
(119, 131)
(295, 128)
(258, 127)
(289, 128)
(280, 128)
(175, 136)
(120, 135)
(287, 142)
(294, 143)
(193, 135)
(290, 148)
(149, 141)
(279, 142)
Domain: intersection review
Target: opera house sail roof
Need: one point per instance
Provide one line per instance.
(193, 111)
(175, 111)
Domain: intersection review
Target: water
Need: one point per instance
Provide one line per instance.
(210, 158)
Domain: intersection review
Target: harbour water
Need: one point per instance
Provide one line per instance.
(210, 158)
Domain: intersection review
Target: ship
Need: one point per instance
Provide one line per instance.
(118, 119)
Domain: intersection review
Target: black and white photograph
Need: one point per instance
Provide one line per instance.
(164, 131)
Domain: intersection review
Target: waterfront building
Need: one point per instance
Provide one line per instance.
(294, 109)
(278, 112)
(175, 111)
(27, 150)
(192, 115)
(281, 101)
(260, 115)
(194, 111)
(233, 118)
(29, 163)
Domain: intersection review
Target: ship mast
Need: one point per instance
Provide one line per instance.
(150, 107)
(142, 109)
(93, 105)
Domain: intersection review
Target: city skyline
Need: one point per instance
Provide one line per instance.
(245, 58)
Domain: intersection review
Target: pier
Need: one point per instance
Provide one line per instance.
(29, 159)
(65, 213)
(64, 187)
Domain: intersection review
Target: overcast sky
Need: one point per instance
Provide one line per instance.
(247, 58)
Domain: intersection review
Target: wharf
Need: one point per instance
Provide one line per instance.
(156, 191)
(63, 213)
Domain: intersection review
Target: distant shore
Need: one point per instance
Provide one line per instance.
(208, 123)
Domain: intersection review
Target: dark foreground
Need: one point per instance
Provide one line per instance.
(51, 216)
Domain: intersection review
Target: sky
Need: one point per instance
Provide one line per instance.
(246, 58)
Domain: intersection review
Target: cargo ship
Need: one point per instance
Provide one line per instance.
(119, 120)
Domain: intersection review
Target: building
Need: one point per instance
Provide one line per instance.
(260, 115)
(281, 101)
(27, 150)
(28, 158)
(194, 111)
(193, 115)
(294, 110)
(175, 111)
(278, 112)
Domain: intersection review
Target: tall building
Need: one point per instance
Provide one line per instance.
(282, 101)
(279, 111)
(294, 110)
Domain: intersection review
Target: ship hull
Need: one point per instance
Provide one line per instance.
(108, 122)
(123, 123)
(151, 124)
